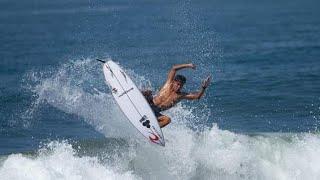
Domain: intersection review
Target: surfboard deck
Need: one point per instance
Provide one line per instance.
(132, 103)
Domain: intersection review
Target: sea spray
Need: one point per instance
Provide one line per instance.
(58, 160)
(190, 153)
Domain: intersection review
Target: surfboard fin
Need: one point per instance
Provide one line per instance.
(101, 60)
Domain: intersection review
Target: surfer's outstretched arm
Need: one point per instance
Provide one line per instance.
(200, 93)
(177, 67)
(193, 95)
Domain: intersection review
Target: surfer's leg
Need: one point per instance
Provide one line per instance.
(163, 120)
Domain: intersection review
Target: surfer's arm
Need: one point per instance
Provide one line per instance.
(199, 94)
(194, 95)
(177, 67)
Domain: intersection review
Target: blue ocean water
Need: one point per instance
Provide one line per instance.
(258, 120)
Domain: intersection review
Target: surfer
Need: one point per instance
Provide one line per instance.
(170, 93)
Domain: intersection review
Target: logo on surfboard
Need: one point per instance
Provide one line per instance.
(145, 122)
(112, 74)
(114, 90)
(125, 92)
(154, 135)
(154, 138)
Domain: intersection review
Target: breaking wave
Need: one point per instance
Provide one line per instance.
(191, 153)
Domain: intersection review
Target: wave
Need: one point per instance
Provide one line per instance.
(193, 150)
(213, 154)
(58, 160)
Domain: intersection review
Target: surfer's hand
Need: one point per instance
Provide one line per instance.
(192, 66)
(206, 82)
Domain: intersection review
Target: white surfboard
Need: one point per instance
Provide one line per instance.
(132, 102)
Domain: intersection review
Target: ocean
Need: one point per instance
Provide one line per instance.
(259, 117)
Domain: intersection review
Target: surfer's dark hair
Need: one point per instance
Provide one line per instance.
(180, 78)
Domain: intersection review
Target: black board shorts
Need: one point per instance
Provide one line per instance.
(156, 110)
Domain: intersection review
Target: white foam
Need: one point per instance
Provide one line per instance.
(218, 154)
(58, 161)
(213, 154)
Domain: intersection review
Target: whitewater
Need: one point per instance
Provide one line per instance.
(194, 149)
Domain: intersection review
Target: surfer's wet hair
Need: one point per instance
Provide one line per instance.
(180, 78)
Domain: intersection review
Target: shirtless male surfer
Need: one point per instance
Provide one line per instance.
(170, 93)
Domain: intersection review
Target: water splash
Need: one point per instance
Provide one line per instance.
(191, 153)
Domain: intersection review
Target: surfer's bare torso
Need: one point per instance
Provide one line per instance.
(167, 97)
(170, 93)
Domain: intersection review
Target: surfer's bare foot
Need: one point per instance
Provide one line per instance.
(163, 121)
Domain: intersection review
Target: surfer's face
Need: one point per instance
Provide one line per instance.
(177, 86)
